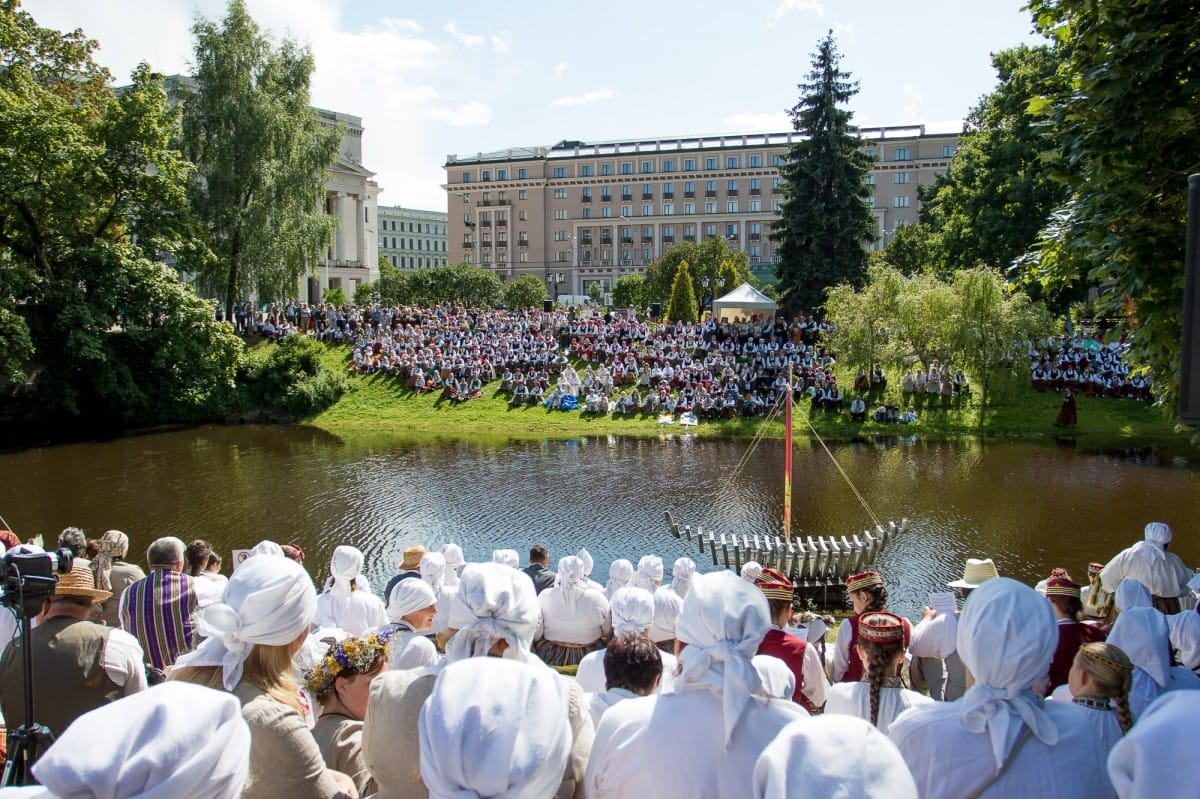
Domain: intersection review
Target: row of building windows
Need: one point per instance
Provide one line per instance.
(755, 251)
(412, 262)
(413, 244)
(648, 167)
(420, 227)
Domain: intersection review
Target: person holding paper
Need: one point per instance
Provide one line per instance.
(933, 642)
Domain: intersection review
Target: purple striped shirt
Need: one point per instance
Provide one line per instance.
(158, 611)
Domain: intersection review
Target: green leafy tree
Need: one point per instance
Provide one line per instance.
(390, 288)
(456, 283)
(682, 307)
(90, 194)
(525, 292)
(1127, 119)
(866, 330)
(913, 249)
(824, 221)
(595, 292)
(705, 260)
(365, 294)
(628, 292)
(335, 297)
(262, 156)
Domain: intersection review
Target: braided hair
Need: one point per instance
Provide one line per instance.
(1111, 675)
(878, 660)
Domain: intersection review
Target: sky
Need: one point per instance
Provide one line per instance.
(457, 77)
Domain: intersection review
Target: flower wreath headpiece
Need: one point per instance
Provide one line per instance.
(345, 659)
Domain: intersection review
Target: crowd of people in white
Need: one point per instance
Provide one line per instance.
(1087, 367)
(487, 679)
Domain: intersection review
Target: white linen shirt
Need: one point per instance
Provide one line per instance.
(593, 679)
(586, 622)
(1165, 577)
(854, 699)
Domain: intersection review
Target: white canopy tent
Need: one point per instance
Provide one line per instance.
(743, 301)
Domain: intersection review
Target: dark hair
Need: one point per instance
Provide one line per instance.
(74, 539)
(879, 597)
(93, 548)
(632, 662)
(778, 606)
(539, 554)
(197, 555)
(214, 559)
(1069, 606)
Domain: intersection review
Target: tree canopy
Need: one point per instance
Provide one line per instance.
(824, 222)
(682, 307)
(708, 259)
(525, 292)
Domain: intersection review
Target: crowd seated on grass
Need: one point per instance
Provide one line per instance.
(1086, 366)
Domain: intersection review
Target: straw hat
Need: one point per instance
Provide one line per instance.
(80, 582)
(412, 558)
(976, 573)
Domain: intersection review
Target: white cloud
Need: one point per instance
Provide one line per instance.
(758, 122)
(844, 33)
(501, 45)
(785, 7)
(587, 98)
(465, 39)
(469, 114)
(560, 69)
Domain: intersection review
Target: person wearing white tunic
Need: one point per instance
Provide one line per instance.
(588, 565)
(835, 757)
(667, 606)
(1149, 562)
(454, 562)
(411, 609)
(649, 573)
(1158, 756)
(932, 642)
(433, 572)
(880, 696)
(619, 573)
(632, 613)
(633, 667)
(778, 681)
(1184, 631)
(999, 739)
(508, 557)
(575, 616)
(347, 603)
(1142, 634)
(1101, 675)
(713, 727)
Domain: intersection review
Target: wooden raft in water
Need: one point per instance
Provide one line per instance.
(818, 563)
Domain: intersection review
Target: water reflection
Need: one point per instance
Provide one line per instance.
(1030, 506)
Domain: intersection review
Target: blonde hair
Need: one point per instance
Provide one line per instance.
(1111, 674)
(267, 667)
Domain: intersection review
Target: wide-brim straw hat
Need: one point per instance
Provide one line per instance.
(976, 573)
(412, 558)
(80, 582)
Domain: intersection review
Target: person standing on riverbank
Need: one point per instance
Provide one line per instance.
(1149, 562)
(1068, 414)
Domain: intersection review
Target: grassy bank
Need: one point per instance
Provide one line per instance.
(377, 404)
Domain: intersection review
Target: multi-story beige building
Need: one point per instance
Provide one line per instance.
(591, 212)
(411, 239)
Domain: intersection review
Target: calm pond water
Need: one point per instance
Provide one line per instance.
(1031, 506)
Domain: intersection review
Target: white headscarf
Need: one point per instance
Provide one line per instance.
(633, 611)
(344, 567)
(508, 557)
(177, 739)
(835, 756)
(268, 601)
(1132, 594)
(1141, 633)
(408, 596)
(778, 681)
(1155, 538)
(572, 579)
(681, 575)
(588, 563)
(1006, 638)
(113, 544)
(751, 571)
(649, 573)
(723, 621)
(494, 728)
(493, 602)
(1184, 630)
(1157, 757)
(619, 572)
(433, 569)
(267, 548)
(454, 558)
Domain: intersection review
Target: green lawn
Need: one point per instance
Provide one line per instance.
(382, 405)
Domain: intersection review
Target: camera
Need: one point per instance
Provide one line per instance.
(31, 576)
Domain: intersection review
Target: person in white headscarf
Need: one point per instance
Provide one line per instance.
(114, 574)
(1149, 562)
(751, 571)
(454, 562)
(575, 617)
(667, 606)
(1157, 757)
(681, 575)
(177, 740)
(495, 728)
(1184, 631)
(713, 726)
(588, 565)
(999, 737)
(619, 573)
(433, 572)
(1142, 634)
(778, 681)
(1132, 594)
(507, 557)
(495, 614)
(411, 611)
(832, 756)
(632, 614)
(266, 547)
(649, 573)
(250, 637)
(346, 602)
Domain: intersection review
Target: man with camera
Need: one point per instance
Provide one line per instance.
(77, 665)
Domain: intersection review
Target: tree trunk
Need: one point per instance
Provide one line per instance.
(231, 282)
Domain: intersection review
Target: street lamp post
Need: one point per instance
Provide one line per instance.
(707, 297)
(553, 281)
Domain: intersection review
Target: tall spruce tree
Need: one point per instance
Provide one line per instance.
(262, 156)
(824, 221)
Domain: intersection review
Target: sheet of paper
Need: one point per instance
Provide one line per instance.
(943, 602)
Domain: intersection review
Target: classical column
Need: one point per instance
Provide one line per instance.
(360, 224)
(339, 242)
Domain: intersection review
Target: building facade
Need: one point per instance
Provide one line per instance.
(352, 196)
(412, 239)
(592, 212)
